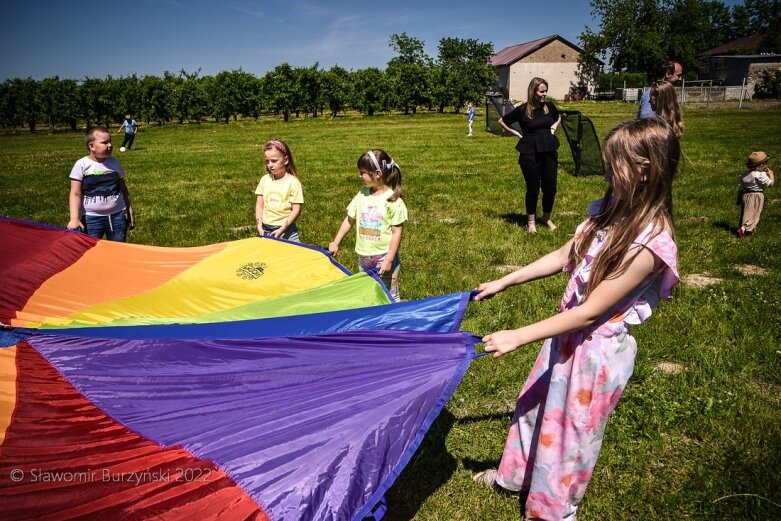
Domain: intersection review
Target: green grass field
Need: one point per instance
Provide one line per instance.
(697, 434)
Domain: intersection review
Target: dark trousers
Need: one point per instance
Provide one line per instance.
(539, 172)
(128, 141)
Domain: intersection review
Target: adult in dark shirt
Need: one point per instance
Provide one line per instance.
(538, 150)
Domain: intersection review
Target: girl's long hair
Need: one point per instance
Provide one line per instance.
(641, 159)
(389, 170)
(531, 97)
(666, 105)
(281, 147)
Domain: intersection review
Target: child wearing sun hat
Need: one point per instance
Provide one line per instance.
(751, 191)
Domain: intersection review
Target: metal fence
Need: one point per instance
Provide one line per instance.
(691, 94)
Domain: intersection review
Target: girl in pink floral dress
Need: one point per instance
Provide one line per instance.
(621, 262)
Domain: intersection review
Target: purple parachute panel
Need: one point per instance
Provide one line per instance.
(313, 427)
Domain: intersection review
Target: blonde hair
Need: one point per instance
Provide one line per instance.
(282, 148)
(666, 105)
(531, 97)
(89, 137)
(641, 159)
(389, 170)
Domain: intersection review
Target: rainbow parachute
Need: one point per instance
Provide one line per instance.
(254, 379)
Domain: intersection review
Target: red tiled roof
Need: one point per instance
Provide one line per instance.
(741, 43)
(514, 53)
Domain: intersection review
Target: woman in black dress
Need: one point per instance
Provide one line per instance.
(537, 147)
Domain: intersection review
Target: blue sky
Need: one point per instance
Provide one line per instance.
(77, 39)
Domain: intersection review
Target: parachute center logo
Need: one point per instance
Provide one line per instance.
(251, 270)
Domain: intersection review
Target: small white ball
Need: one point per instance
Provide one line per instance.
(121, 149)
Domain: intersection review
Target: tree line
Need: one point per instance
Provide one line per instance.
(412, 80)
(636, 36)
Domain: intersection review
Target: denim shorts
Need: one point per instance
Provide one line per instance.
(290, 234)
(113, 226)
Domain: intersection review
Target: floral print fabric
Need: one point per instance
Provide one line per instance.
(561, 413)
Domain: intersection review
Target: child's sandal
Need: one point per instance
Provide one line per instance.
(487, 479)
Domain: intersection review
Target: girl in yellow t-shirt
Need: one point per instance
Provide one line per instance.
(280, 195)
(380, 213)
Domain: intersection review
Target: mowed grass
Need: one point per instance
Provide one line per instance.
(697, 434)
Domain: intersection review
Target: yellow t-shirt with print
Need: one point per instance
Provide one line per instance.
(374, 215)
(279, 196)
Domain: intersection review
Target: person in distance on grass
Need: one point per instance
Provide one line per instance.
(751, 191)
(131, 127)
(664, 102)
(470, 117)
(671, 71)
(537, 150)
(99, 201)
(279, 194)
(621, 262)
(380, 212)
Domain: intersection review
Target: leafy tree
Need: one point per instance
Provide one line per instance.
(225, 95)
(10, 113)
(370, 91)
(108, 98)
(189, 96)
(442, 89)
(252, 100)
(90, 105)
(409, 72)
(280, 89)
(28, 101)
(336, 89)
(764, 18)
(740, 23)
(154, 100)
(129, 100)
(310, 81)
(638, 35)
(629, 37)
(465, 72)
(59, 102)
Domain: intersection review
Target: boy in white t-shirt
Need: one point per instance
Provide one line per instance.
(99, 201)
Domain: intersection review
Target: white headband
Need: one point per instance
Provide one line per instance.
(374, 161)
(385, 164)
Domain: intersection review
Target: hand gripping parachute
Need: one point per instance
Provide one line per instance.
(255, 379)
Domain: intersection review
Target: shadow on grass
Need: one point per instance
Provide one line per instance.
(433, 466)
(497, 416)
(430, 468)
(727, 227)
(518, 219)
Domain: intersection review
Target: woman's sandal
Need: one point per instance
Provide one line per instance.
(531, 227)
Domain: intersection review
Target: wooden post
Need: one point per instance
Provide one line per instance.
(742, 93)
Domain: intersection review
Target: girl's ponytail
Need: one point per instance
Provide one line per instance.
(391, 175)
